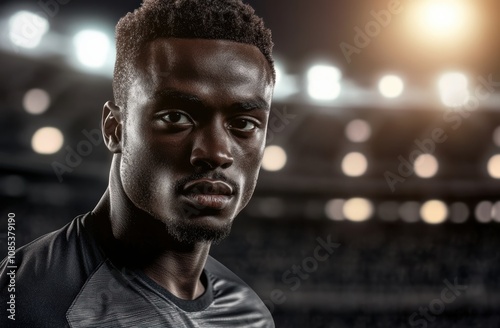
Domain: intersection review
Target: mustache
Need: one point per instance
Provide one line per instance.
(179, 184)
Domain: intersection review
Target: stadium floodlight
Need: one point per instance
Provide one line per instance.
(36, 101)
(47, 140)
(426, 166)
(391, 86)
(324, 82)
(443, 20)
(334, 209)
(434, 212)
(358, 131)
(274, 158)
(453, 88)
(443, 16)
(92, 48)
(354, 164)
(494, 166)
(358, 209)
(26, 29)
(484, 211)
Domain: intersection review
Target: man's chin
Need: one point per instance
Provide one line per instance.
(194, 232)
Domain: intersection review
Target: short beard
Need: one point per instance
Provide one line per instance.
(189, 233)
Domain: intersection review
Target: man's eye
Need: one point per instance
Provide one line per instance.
(243, 124)
(177, 118)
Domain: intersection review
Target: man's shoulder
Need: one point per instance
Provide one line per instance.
(49, 273)
(227, 285)
(44, 242)
(55, 249)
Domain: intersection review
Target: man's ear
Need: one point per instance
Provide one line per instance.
(112, 127)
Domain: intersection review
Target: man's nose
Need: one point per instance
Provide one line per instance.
(212, 148)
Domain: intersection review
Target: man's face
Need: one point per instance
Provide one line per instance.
(194, 133)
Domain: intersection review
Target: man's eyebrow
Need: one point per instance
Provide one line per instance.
(174, 95)
(179, 96)
(257, 103)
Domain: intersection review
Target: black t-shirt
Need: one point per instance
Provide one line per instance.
(63, 279)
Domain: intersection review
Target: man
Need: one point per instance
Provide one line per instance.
(193, 84)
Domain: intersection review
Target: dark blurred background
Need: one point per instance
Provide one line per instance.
(384, 145)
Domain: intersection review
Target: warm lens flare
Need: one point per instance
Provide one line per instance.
(443, 16)
(442, 20)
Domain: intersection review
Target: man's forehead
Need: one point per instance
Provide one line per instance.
(166, 55)
(204, 68)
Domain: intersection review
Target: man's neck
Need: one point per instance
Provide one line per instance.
(179, 273)
(175, 266)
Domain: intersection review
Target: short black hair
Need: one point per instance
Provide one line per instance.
(201, 19)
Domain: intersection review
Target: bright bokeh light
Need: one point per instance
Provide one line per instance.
(354, 164)
(426, 166)
(36, 101)
(26, 29)
(494, 166)
(434, 212)
(408, 211)
(92, 48)
(274, 158)
(357, 209)
(453, 88)
(453, 81)
(484, 211)
(358, 131)
(334, 208)
(47, 140)
(324, 82)
(391, 86)
(459, 212)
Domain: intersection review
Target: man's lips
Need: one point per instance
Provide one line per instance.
(208, 187)
(208, 193)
